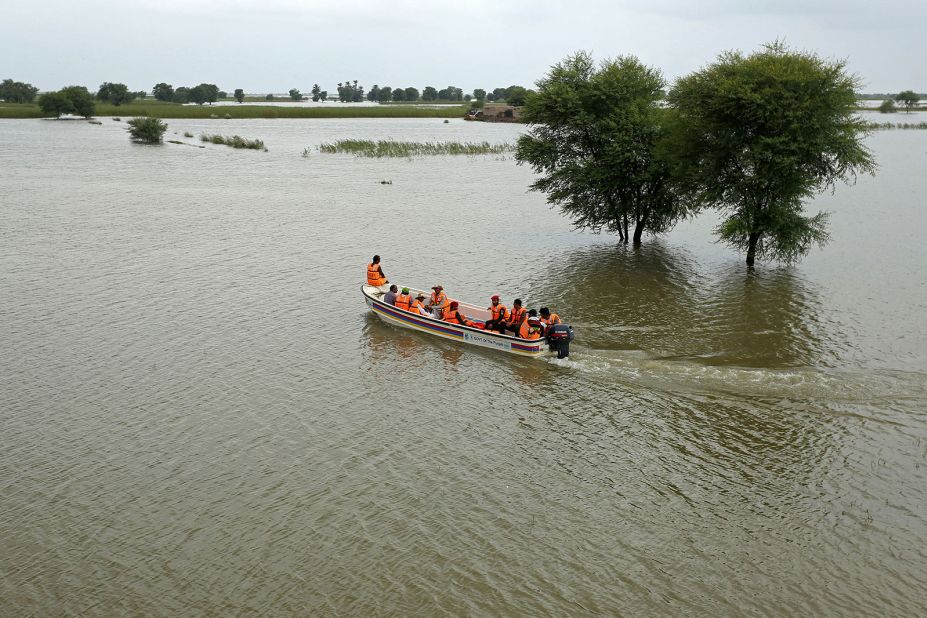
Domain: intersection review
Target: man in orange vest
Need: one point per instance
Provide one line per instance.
(548, 319)
(375, 276)
(499, 314)
(438, 302)
(516, 316)
(452, 315)
(530, 328)
(404, 300)
(418, 305)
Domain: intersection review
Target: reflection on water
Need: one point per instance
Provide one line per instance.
(664, 303)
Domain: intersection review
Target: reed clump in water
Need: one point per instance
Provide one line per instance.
(885, 126)
(390, 148)
(235, 141)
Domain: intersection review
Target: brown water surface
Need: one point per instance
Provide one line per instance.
(199, 417)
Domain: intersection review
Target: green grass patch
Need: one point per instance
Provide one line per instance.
(235, 141)
(390, 148)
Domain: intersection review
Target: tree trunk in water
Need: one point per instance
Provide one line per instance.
(639, 230)
(751, 247)
(626, 235)
(620, 233)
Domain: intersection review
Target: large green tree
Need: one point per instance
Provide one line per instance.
(295, 94)
(17, 92)
(908, 98)
(117, 94)
(163, 92)
(763, 133)
(316, 92)
(239, 95)
(55, 103)
(594, 140)
(81, 99)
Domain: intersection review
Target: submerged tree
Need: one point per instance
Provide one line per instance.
(295, 94)
(147, 130)
(908, 98)
(55, 103)
(594, 140)
(239, 95)
(761, 134)
(81, 99)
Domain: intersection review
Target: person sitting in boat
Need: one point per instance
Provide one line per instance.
(418, 305)
(516, 316)
(548, 319)
(438, 302)
(499, 315)
(390, 297)
(530, 328)
(404, 300)
(375, 276)
(453, 315)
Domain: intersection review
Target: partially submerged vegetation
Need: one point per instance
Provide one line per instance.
(884, 126)
(235, 141)
(147, 130)
(390, 148)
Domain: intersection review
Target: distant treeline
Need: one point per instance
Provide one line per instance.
(348, 91)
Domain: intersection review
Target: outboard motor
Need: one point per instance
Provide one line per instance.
(559, 337)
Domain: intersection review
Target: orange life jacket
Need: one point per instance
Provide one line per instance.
(439, 300)
(374, 275)
(404, 301)
(516, 315)
(499, 312)
(452, 316)
(416, 305)
(526, 331)
(552, 319)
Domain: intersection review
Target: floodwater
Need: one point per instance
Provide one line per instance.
(199, 416)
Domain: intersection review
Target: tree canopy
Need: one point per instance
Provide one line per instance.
(55, 103)
(295, 94)
(908, 98)
(594, 140)
(762, 133)
(17, 92)
(163, 92)
(239, 95)
(117, 94)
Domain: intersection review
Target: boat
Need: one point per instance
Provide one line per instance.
(460, 332)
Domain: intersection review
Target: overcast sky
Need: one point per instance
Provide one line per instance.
(274, 45)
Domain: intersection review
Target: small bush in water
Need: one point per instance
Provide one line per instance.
(235, 141)
(147, 130)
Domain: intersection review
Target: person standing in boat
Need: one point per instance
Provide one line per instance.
(438, 302)
(375, 276)
(499, 315)
(390, 297)
(516, 316)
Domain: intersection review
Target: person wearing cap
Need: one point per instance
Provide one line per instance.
(418, 305)
(390, 297)
(516, 316)
(499, 315)
(404, 300)
(548, 319)
(531, 327)
(375, 276)
(453, 315)
(438, 302)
